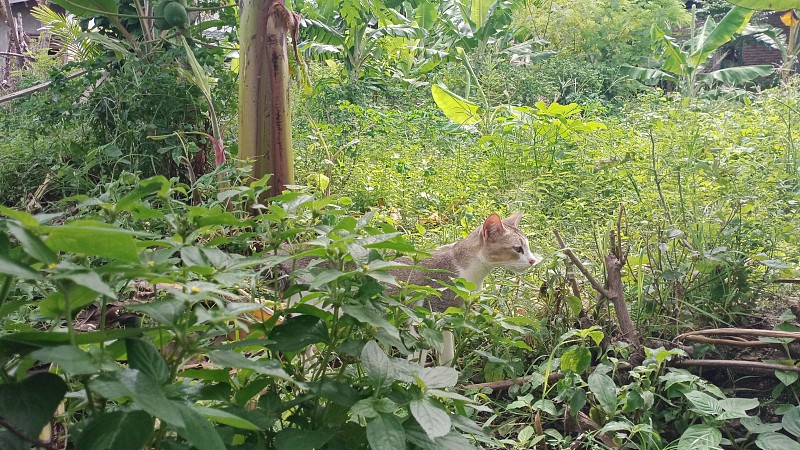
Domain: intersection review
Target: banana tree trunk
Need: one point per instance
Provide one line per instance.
(265, 132)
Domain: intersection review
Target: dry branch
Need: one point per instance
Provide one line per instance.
(733, 364)
(741, 332)
(39, 87)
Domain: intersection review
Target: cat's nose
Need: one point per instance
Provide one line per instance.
(531, 261)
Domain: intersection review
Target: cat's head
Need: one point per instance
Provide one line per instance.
(504, 245)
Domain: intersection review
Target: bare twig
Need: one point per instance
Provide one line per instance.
(733, 342)
(571, 255)
(786, 281)
(735, 364)
(39, 87)
(741, 332)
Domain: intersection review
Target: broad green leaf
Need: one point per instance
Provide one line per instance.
(364, 408)
(738, 75)
(25, 341)
(55, 304)
(93, 238)
(23, 217)
(144, 357)
(647, 76)
(269, 367)
(336, 391)
(164, 311)
(456, 108)
(294, 439)
(197, 429)
(576, 359)
(32, 244)
(432, 419)
(85, 8)
(776, 441)
(72, 360)
(733, 22)
(769, 5)
(29, 405)
(426, 14)
(385, 433)
(700, 437)
(703, 403)
(142, 389)
(438, 377)
(226, 418)
(791, 421)
(146, 187)
(604, 390)
(787, 377)
(376, 364)
(86, 279)
(116, 430)
(756, 426)
(12, 268)
(298, 332)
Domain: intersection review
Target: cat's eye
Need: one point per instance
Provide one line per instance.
(517, 249)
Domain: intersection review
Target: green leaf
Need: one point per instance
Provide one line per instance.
(755, 425)
(86, 8)
(197, 430)
(23, 217)
(769, 5)
(226, 418)
(426, 14)
(146, 187)
(164, 311)
(703, 403)
(298, 332)
(700, 437)
(71, 360)
(86, 279)
(376, 364)
(25, 341)
(438, 377)
(791, 421)
(576, 359)
(645, 75)
(604, 390)
(294, 439)
(29, 405)
(12, 268)
(144, 357)
(93, 238)
(142, 389)
(776, 441)
(787, 377)
(738, 75)
(432, 419)
(116, 430)
(385, 433)
(32, 244)
(456, 108)
(364, 408)
(269, 367)
(55, 304)
(733, 22)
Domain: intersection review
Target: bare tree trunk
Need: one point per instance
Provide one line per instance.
(265, 134)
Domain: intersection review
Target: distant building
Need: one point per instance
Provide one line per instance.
(29, 24)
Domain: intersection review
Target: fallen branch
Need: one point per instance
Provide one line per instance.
(39, 87)
(734, 364)
(505, 384)
(741, 332)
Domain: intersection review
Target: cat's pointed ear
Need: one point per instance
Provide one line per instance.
(492, 226)
(513, 219)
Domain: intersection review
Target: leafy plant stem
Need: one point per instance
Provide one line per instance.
(5, 289)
